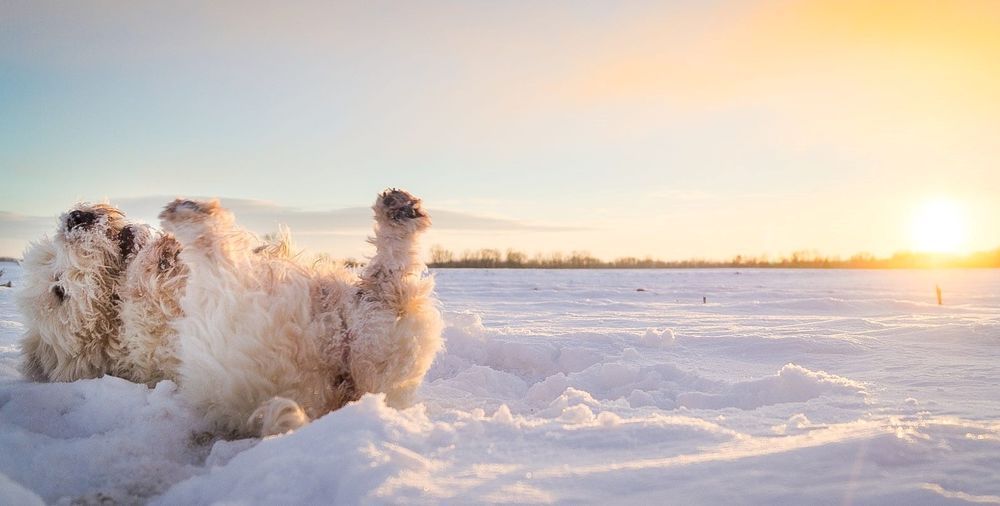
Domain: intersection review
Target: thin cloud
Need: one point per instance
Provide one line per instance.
(260, 214)
(19, 226)
(263, 217)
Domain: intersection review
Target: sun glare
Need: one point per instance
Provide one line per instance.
(939, 227)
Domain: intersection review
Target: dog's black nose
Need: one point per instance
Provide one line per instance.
(80, 218)
(126, 241)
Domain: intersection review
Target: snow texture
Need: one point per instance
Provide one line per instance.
(786, 387)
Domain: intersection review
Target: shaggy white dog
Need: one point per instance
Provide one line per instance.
(99, 298)
(268, 344)
(70, 294)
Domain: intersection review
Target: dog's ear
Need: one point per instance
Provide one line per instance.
(127, 241)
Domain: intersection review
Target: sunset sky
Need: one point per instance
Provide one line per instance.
(670, 129)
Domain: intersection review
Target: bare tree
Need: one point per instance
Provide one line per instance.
(516, 258)
(439, 255)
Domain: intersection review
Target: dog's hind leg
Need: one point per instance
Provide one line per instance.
(396, 328)
(277, 416)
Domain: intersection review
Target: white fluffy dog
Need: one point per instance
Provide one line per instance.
(99, 297)
(70, 296)
(268, 344)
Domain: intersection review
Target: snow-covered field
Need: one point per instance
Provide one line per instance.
(786, 387)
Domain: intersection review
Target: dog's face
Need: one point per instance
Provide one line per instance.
(92, 229)
(71, 280)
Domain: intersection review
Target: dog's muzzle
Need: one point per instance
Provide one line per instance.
(80, 219)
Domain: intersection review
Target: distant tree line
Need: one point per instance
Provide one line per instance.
(489, 258)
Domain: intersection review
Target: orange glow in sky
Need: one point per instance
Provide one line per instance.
(664, 129)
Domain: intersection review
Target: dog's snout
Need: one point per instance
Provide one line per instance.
(80, 218)
(59, 293)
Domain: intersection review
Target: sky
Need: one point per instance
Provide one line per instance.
(665, 129)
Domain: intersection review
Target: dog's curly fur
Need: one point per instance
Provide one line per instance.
(151, 294)
(150, 301)
(100, 298)
(268, 343)
(70, 296)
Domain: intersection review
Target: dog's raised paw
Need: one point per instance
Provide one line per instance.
(399, 206)
(184, 205)
(185, 209)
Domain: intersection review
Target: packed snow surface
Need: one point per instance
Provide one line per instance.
(784, 387)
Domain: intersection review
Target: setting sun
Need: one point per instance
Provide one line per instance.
(939, 227)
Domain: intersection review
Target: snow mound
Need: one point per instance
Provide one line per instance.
(792, 384)
(351, 456)
(655, 338)
(101, 438)
(527, 373)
